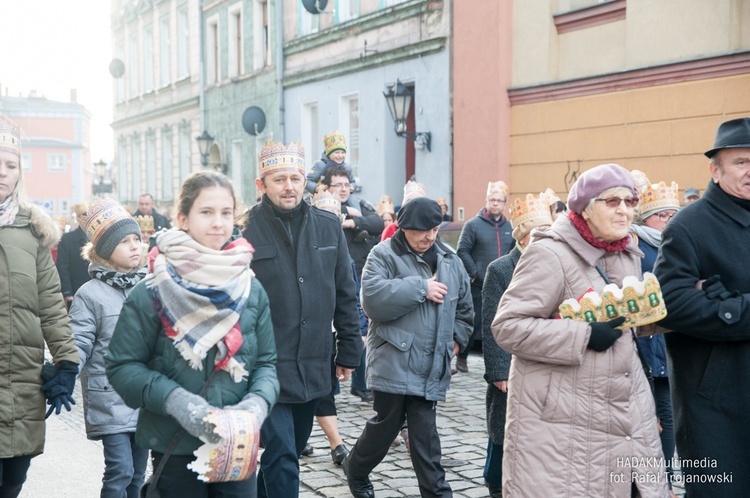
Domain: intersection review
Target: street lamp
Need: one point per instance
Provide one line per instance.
(101, 186)
(205, 141)
(399, 98)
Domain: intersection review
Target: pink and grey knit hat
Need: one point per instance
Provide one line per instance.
(106, 223)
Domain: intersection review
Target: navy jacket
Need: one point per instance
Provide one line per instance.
(482, 241)
(307, 288)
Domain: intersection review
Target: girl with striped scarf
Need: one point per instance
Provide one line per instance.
(199, 310)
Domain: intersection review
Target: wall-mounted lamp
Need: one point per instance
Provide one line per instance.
(399, 98)
(101, 185)
(205, 141)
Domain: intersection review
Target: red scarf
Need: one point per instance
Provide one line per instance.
(585, 231)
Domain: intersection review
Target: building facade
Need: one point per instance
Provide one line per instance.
(55, 147)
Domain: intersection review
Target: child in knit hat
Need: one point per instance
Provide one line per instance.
(116, 264)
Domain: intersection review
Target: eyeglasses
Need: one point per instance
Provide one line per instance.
(665, 216)
(496, 201)
(336, 186)
(613, 202)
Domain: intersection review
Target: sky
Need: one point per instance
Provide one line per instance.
(52, 46)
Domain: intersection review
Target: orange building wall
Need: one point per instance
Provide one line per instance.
(481, 60)
(662, 131)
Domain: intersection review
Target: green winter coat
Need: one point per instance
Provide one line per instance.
(32, 313)
(144, 366)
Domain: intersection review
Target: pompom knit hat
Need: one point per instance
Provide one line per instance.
(593, 182)
(106, 223)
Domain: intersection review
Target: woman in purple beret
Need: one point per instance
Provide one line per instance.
(580, 417)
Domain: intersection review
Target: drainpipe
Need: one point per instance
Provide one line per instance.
(202, 71)
(280, 64)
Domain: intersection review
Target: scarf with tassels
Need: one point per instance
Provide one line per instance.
(199, 294)
(585, 231)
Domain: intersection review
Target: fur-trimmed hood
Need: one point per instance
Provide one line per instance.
(43, 227)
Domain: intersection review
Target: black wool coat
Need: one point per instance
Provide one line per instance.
(709, 348)
(308, 288)
(496, 359)
(72, 268)
(359, 246)
(482, 241)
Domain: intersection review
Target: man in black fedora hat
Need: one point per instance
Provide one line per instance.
(705, 277)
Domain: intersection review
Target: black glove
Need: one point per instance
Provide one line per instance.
(604, 334)
(59, 388)
(714, 289)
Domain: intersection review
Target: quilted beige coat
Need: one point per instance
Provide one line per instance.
(579, 423)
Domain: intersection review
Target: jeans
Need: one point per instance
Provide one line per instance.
(124, 466)
(177, 481)
(13, 475)
(663, 401)
(358, 375)
(284, 435)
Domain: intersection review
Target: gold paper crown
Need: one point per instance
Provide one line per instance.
(499, 186)
(324, 200)
(10, 136)
(279, 157)
(412, 190)
(146, 224)
(657, 197)
(334, 141)
(386, 205)
(533, 209)
(441, 201)
(640, 179)
(640, 302)
(551, 197)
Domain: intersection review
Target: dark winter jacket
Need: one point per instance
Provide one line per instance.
(32, 315)
(410, 341)
(482, 241)
(709, 349)
(144, 366)
(359, 245)
(315, 175)
(652, 347)
(73, 269)
(496, 359)
(309, 284)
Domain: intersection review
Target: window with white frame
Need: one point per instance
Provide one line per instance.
(212, 50)
(235, 41)
(346, 10)
(167, 173)
(26, 161)
(120, 82)
(122, 169)
(312, 140)
(132, 67)
(151, 163)
(349, 126)
(164, 45)
(308, 23)
(262, 34)
(237, 169)
(148, 58)
(184, 144)
(135, 151)
(56, 162)
(183, 42)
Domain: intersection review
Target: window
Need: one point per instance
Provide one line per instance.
(167, 174)
(235, 41)
(148, 59)
(151, 163)
(164, 68)
(120, 82)
(26, 162)
(262, 31)
(56, 162)
(237, 168)
(132, 66)
(346, 10)
(349, 125)
(135, 186)
(184, 152)
(122, 169)
(183, 42)
(312, 140)
(212, 51)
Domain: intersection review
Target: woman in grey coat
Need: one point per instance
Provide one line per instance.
(524, 217)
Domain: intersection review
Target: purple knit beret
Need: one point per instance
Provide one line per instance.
(593, 182)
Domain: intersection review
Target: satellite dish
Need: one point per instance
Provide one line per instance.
(116, 68)
(314, 6)
(253, 120)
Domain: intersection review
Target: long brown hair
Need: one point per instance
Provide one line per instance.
(194, 185)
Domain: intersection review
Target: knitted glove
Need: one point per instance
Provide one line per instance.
(189, 409)
(253, 403)
(714, 289)
(604, 334)
(59, 383)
